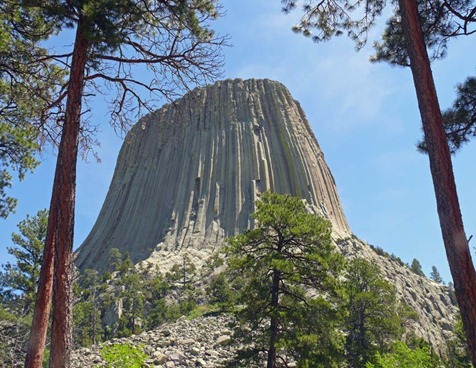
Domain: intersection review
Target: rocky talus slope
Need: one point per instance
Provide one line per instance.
(430, 300)
(188, 174)
(13, 343)
(201, 342)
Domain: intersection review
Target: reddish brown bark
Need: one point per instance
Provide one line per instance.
(36, 345)
(61, 334)
(59, 243)
(451, 223)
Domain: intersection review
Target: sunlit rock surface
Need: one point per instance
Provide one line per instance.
(187, 175)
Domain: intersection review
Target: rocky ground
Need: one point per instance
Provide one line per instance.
(13, 343)
(201, 342)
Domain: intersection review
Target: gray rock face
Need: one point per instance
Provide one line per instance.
(187, 175)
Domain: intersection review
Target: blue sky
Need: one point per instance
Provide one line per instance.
(364, 116)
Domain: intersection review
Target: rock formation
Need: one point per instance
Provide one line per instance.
(188, 174)
(202, 342)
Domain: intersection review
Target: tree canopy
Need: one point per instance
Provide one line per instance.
(27, 87)
(285, 259)
(113, 42)
(374, 316)
(408, 35)
(19, 280)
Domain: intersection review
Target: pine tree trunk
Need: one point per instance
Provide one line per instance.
(454, 238)
(37, 340)
(61, 334)
(57, 254)
(273, 329)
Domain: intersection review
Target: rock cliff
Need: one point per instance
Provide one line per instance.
(188, 174)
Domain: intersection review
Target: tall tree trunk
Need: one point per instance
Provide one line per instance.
(454, 238)
(273, 329)
(57, 254)
(61, 335)
(36, 345)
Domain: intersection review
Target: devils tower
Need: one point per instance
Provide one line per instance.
(188, 174)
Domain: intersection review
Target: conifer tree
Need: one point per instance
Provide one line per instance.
(435, 275)
(27, 88)
(288, 254)
(460, 118)
(86, 311)
(416, 267)
(331, 18)
(113, 39)
(22, 276)
(374, 317)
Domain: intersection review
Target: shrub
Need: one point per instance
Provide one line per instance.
(123, 356)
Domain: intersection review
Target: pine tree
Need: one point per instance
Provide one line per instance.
(288, 254)
(22, 276)
(219, 292)
(27, 87)
(416, 267)
(374, 316)
(452, 18)
(86, 311)
(435, 275)
(460, 118)
(112, 40)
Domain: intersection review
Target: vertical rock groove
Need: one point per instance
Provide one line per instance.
(188, 174)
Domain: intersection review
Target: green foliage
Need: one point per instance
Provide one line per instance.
(158, 313)
(143, 298)
(439, 22)
(19, 280)
(27, 87)
(114, 260)
(182, 273)
(133, 297)
(402, 356)
(416, 268)
(86, 311)
(397, 259)
(6, 315)
(460, 118)
(373, 317)
(17, 149)
(379, 250)
(435, 275)
(287, 255)
(458, 353)
(86, 323)
(220, 293)
(123, 356)
(46, 358)
(323, 20)
(173, 38)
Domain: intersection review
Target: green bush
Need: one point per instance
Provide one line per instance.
(403, 356)
(123, 356)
